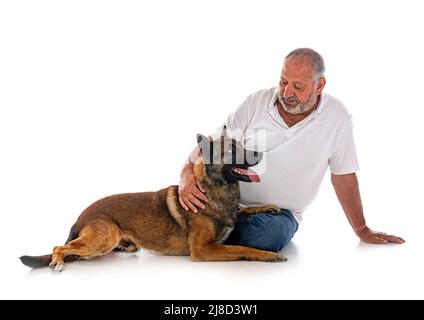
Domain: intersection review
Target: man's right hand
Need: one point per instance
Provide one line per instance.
(191, 192)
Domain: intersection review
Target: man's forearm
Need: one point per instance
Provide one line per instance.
(189, 163)
(347, 190)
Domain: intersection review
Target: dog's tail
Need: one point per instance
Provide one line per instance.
(43, 261)
(36, 261)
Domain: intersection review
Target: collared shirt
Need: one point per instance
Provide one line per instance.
(295, 158)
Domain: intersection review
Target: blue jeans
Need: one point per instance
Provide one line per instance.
(266, 231)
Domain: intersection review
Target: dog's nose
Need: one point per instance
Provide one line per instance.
(255, 153)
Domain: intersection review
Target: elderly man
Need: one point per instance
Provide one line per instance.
(307, 131)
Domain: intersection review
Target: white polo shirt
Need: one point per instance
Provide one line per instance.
(295, 158)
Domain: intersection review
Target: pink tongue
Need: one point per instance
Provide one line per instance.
(253, 176)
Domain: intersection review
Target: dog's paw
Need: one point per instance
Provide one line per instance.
(271, 209)
(277, 257)
(57, 267)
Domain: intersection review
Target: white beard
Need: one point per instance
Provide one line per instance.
(297, 108)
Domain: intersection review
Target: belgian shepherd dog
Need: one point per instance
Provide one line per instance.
(156, 221)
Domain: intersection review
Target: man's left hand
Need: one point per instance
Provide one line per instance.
(369, 236)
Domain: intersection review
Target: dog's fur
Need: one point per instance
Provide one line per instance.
(156, 221)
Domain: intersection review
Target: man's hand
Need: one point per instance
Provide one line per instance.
(369, 236)
(191, 192)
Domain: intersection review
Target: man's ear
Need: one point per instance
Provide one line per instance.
(320, 85)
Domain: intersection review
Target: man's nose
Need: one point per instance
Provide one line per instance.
(288, 91)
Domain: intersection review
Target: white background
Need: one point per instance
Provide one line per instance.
(104, 97)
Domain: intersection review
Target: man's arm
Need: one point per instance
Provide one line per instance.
(347, 190)
(190, 191)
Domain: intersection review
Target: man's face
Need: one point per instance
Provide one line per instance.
(298, 91)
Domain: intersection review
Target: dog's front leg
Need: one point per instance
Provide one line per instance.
(220, 252)
(203, 246)
(253, 210)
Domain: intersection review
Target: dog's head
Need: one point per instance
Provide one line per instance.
(226, 159)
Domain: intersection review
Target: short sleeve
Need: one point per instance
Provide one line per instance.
(344, 160)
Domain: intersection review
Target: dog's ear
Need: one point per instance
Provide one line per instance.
(224, 131)
(203, 143)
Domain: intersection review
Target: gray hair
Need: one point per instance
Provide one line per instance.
(314, 58)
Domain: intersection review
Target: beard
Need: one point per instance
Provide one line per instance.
(292, 105)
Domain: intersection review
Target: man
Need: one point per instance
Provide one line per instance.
(307, 131)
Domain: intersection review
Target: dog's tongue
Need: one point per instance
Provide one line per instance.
(253, 176)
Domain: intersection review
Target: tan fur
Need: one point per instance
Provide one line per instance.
(199, 169)
(253, 210)
(204, 248)
(173, 206)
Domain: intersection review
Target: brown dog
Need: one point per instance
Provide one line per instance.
(156, 221)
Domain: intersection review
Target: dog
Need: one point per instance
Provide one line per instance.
(156, 221)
